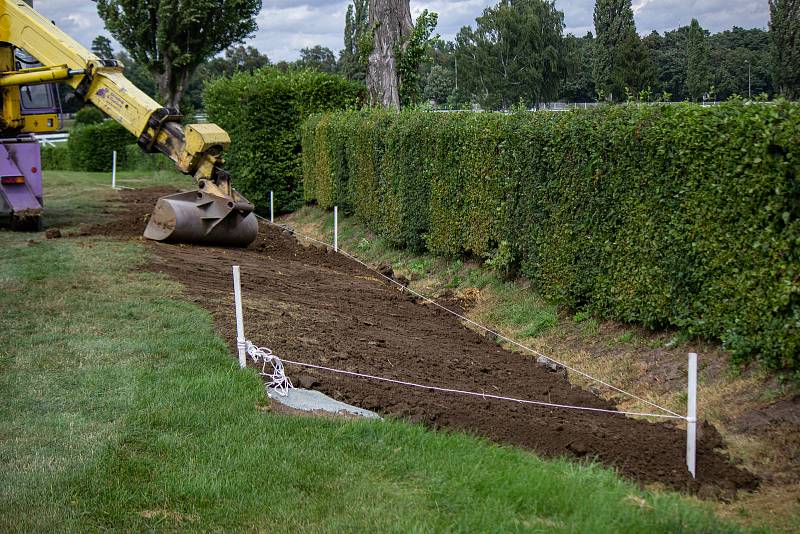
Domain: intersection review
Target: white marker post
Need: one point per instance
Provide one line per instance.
(114, 170)
(237, 296)
(336, 228)
(691, 416)
(271, 208)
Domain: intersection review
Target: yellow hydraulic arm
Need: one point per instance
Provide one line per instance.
(196, 149)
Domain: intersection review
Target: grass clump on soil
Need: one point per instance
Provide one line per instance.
(525, 312)
(121, 409)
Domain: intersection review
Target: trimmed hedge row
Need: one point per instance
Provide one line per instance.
(89, 115)
(677, 216)
(56, 158)
(90, 148)
(262, 111)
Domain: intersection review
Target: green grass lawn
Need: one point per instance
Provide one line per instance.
(72, 198)
(121, 409)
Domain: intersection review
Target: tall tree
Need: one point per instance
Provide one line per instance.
(101, 47)
(413, 54)
(237, 59)
(668, 54)
(732, 53)
(784, 30)
(620, 57)
(397, 50)
(740, 61)
(514, 53)
(353, 57)
(173, 37)
(697, 62)
(390, 22)
(138, 74)
(439, 85)
(577, 84)
(441, 58)
(319, 58)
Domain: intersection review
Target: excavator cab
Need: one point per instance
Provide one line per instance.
(40, 105)
(27, 110)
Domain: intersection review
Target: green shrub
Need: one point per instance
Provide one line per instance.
(467, 185)
(263, 112)
(88, 115)
(308, 145)
(367, 149)
(678, 216)
(405, 182)
(129, 158)
(342, 162)
(56, 157)
(136, 159)
(91, 147)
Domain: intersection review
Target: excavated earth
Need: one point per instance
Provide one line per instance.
(311, 305)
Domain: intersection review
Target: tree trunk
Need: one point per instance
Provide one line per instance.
(172, 84)
(390, 22)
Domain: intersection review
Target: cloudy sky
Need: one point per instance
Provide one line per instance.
(286, 26)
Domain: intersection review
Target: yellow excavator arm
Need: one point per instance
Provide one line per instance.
(215, 213)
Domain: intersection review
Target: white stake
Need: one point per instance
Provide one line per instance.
(691, 416)
(336, 228)
(114, 170)
(271, 208)
(237, 295)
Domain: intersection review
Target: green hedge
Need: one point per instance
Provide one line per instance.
(263, 112)
(89, 115)
(90, 148)
(56, 158)
(137, 159)
(678, 216)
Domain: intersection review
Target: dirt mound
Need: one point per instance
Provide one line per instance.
(312, 305)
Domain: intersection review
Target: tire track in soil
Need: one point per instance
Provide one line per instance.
(315, 306)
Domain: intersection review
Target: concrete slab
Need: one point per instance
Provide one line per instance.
(308, 400)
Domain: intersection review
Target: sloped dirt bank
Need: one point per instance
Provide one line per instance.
(311, 305)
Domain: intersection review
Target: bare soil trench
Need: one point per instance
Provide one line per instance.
(315, 306)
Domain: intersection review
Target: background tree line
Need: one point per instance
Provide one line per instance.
(516, 52)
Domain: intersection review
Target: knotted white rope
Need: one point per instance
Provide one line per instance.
(278, 381)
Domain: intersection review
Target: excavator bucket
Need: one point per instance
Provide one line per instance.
(198, 217)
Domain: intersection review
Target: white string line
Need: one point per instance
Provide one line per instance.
(481, 395)
(482, 327)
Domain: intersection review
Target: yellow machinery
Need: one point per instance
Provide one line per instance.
(215, 213)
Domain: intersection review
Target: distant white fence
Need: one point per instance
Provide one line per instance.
(52, 139)
(567, 106)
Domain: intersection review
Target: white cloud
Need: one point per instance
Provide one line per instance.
(82, 22)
